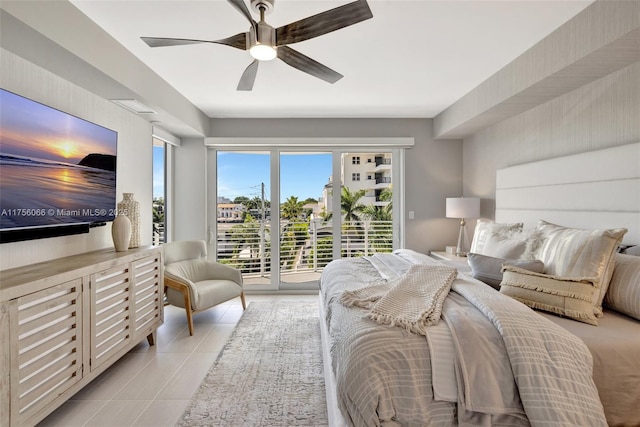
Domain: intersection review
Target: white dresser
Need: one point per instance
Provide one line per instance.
(63, 322)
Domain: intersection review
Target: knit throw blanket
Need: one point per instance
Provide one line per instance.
(413, 301)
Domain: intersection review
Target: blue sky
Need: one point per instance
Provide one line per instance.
(240, 174)
(301, 175)
(158, 171)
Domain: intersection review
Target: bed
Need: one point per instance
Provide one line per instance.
(563, 371)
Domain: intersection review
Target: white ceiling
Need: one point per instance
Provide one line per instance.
(412, 59)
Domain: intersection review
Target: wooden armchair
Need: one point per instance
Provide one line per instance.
(195, 283)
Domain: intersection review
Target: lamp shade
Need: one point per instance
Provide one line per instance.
(463, 207)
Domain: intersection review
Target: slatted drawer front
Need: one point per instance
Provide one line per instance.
(111, 313)
(48, 344)
(148, 295)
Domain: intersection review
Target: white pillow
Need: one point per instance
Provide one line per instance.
(489, 238)
(575, 252)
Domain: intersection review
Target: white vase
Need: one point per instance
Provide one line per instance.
(121, 233)
(131, 208)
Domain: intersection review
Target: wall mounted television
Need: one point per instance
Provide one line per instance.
(57, 171)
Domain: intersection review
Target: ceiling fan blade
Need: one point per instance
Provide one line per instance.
(241, 7)
(249, 76)
(304, 63)
(323, 23)
(239, 41)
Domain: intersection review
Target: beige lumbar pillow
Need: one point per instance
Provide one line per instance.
(577, 253)
(568, 296)
(488, 269)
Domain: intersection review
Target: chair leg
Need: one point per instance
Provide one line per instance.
(187, 308)
(244, 304)
(190, 320)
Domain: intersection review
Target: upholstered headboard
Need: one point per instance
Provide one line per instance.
(596, 189)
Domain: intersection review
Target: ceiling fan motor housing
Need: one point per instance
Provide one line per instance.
(262, 34)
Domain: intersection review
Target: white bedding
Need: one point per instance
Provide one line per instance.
(384, 373)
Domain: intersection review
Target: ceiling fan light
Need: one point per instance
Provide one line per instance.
(263, 52)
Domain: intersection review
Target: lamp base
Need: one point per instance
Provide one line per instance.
(462, 237)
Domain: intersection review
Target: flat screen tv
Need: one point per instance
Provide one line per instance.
(57, 171)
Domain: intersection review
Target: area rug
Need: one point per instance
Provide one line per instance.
(269, 373)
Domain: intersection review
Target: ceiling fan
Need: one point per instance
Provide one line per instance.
(265, 42)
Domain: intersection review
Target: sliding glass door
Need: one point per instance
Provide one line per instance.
(366, 203)
(303, 179)
(282, 215)
(243, 215)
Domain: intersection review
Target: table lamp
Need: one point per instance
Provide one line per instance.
(462, 207)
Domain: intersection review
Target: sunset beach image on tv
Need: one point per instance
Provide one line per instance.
(55, 168)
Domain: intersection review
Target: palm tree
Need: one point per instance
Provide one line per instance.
(291, 209)
(352, 209)
(350, 204)
(381, 213)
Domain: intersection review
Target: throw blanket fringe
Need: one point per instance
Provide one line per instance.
(413, 302)
(364, 297)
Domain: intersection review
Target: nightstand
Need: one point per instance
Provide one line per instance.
(459, 262)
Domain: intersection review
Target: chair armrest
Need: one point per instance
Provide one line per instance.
(179, 283)
(222, 271)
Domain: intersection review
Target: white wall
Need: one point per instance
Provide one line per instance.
(433, 168)
(601, 114)
(134, 169)
(190, 190)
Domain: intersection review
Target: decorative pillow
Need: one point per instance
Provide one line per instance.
(489, 269)
(567, 296)
(623, 294)
(575, 252)
(486, 230)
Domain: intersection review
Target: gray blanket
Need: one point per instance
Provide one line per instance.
(384, 374)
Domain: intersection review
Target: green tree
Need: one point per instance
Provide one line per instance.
(350, 204)
(241, 200)
(291, 209)
(158, 210)
(381, 213)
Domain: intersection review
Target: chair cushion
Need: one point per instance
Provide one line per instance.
(208, 293)
(201, 269)
(213, 292)
(203, 277)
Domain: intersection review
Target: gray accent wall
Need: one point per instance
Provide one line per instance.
(601, 114)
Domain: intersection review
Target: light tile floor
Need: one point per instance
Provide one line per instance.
(151, 386)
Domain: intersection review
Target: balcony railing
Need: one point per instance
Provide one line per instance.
(304, 246)
(158, 233)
